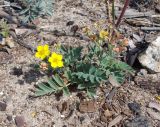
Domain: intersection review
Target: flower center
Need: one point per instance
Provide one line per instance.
(41, 52)
(55, 60)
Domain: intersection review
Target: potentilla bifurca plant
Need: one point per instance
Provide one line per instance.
(70, 66)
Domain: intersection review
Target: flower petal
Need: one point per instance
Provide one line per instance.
(37, 55)
(54, 64)
(50, 59)
(39, 48)
(59, 57)
(43, 56)
(46, 47)
(47, 53)
(60, 63)
(54, 55)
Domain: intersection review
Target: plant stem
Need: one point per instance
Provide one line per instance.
(107, 9)
(113, 13)
(122, 13)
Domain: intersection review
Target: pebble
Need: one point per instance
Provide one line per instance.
(20, 121)
(134, 107)
(138, 121)
(3, 106)
(157, 8)
(9, 118)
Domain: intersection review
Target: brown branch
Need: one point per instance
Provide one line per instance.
(122, 13)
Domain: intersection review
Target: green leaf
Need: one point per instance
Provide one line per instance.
(52, 84)
(45, 7)
(66, 91)
(43, 89)
(71, 55)
(124, 67)
(24, 11)
(43, 86)
(92, 70)
(67, 74)
(119, 76)
(92, 79)
(81, 86)
(91, 92)
(89, 73)
(58, 80)
(36, 8)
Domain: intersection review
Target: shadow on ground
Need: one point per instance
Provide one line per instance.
(30, 76)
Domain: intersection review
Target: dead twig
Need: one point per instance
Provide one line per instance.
(71, 34)
(111, 94)
(108, 9)
(150, 28)
(136, 15)
(20, 42)
(9, 18)
(85, 15)
(1, 6)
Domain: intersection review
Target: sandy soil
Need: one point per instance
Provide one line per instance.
(18, 77)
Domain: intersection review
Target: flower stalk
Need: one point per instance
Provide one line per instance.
(122, 13)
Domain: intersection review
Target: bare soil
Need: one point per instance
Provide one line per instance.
(18, 79)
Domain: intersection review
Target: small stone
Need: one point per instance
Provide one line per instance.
(74, 28)
(1, 93)
(144, 72)
(157, 8)
(3, 106)
(81, 119)
(134, 107)
(69, 23)
(138, 121)
(156, 18)
(9, 118)
(132, 83)
(2, 118)
(88, 106)
(155, 115)
(20, 121)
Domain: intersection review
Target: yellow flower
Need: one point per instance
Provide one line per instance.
(42, 51)
(103, 34)
(56, 60)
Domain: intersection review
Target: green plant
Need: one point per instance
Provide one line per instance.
(54, 84)
(36, 8)
(85, 70)
(4, 28)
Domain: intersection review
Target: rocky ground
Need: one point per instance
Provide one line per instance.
(134, 104)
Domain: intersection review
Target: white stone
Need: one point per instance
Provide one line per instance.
(151, 57)
(156, 42)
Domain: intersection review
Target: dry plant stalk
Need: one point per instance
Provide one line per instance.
(108, 9)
